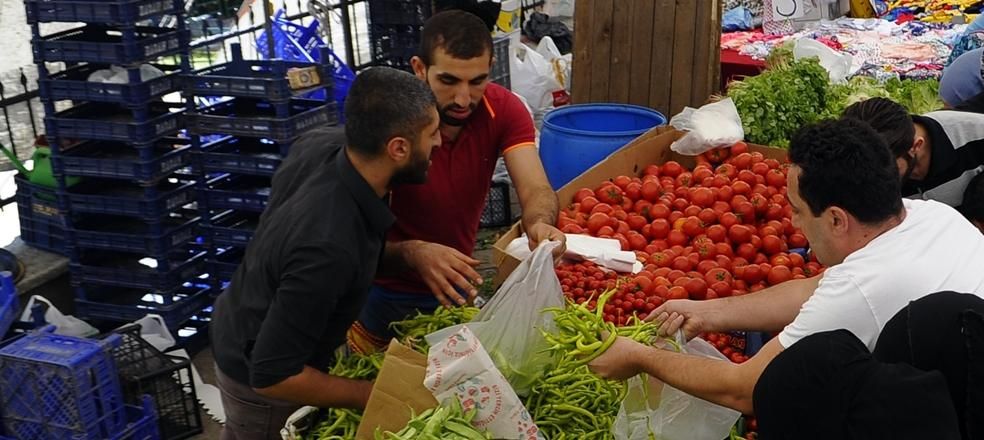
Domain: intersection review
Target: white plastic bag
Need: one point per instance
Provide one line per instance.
(711, 126)
(654, 409)
(561, 64)
(154, 331)
(510, 324)
(459, 367)
(838, 64)
(64, 324)
(532, 77)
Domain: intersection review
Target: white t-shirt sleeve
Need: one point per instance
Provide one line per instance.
(838, 303)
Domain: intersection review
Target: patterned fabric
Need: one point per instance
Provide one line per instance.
(966, 43)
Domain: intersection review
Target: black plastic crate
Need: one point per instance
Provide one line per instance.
(224, 264)
(98, 11)
(261, 79)
(497, 208)
(245, 193)
(41, 223)
(500, 63)
(232, 228)
(73, 84)
(110, 122)
(121, 304)
(399, 12)
(110, 197)
(120, 160)
(134, 235)
(250, 118)
(103, 44)
(394, 46)
(144, 370)
(257, 157)
(133, 270)
(192, 335)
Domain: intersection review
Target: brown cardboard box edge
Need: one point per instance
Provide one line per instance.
(399, 391)
(652, 147)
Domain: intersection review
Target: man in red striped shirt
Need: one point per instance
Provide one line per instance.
(427, 261)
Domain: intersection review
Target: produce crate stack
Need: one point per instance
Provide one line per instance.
(118, 162)
(254, 110)
(394, 30)
(57, 386)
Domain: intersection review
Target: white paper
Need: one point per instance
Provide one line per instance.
(459, 367)
(605, 252)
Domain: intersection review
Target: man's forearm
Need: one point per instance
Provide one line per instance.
(396, 256)
(715, 381)
(539, 206)
(769, 310)
(315, 388)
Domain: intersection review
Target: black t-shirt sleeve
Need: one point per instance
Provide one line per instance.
(315, 278)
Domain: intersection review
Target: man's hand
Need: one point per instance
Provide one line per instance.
(443, 269)
(620, 361)
(542, 231)
(680, 313)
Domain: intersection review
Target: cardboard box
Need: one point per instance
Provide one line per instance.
(653, 147)
(398, 392)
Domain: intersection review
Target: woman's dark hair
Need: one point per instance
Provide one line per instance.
(845, 163)
(384, 103)
(889, 119)
(461, 34)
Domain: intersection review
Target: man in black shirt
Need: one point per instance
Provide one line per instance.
(937, 153)
(306, 272)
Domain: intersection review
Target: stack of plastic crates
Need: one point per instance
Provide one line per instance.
(55, 386)
(144, 370)
(394, 30)
(128, 226)
(257, 109)
(42, 223)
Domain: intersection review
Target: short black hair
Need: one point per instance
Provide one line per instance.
(461, 34)
(973, 200)
(890, 119)
(846, 163)
(384, 103)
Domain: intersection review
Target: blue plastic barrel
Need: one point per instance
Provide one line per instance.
(576, 137)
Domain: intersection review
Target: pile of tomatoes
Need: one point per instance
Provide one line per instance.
(721, 229)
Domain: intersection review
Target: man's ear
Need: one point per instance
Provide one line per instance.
(419, 68)
(398, 149)
(917, 146)
(839, 220)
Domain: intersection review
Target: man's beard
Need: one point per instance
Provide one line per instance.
(414, 173)
(446, 118)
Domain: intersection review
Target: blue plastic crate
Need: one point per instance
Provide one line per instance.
(141, 422)
(102, 44)
(41, 224)
(110, 122)
(8, 302)
(110, 268)
(126, 199)
(232, 228)
(119, 160)
(192, 336)
(257, 157)
(240, 117)
(224, 264)
(60, 387)
(134, 235)
(245, 193)
(121, 304)
(261, 79)
(73, 84)
(98, 11)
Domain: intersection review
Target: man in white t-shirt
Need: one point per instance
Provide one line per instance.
(881, 253)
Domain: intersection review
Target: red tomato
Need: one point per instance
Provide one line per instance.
(760, 168)
(702, 172)
(753, 274)
(671, 168)
(760, 203)
(697, 288)
(741, 188)
(739, 234)
(660, 259)
(652, 170)
(796, 260)
(636, 241)
(582, 193)
(685, 179)
(774, 212)
(622, 181)
(682, 264)
(603, 208)
(745, 212)
(708, 216)
(692, 226)
(724, 249)
(725, 193)
(797, 240)
(703, 197)
(742, 161)
(691, 211)
(633, 191)
(660, 228)
(738, 148)
(771, 244)
(747, 251)
(717, 275)
(659, 210)
(596, 222)
(747, 177)
(775, 178)
(605, 232)
(680, 204)
(721, 289)
(651, 191)
(706, 265)
(677, 292)
(757, 157)
(717, 233)
(772, 163)
(622, 227)
(726, 170)
(705, 248)
(636, 222)
(720, 181)
(779, 274)
(609, 193)
(729, 219)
